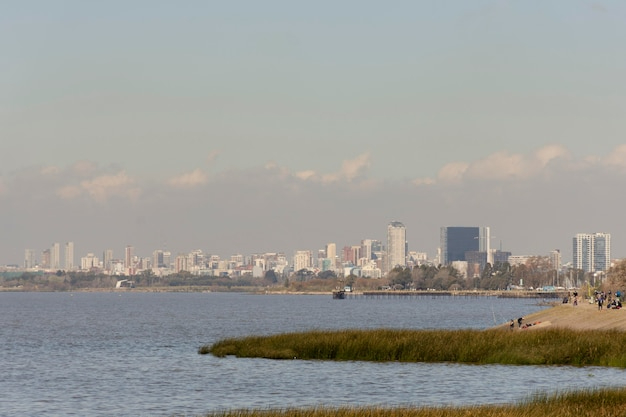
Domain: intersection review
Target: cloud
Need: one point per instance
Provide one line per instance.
(84, 168)
(305, 175)
(189, 180)
(350, 171)
(50, 170)
(500, 166)
(453, 172)
(105, 186)
(69, 192)
(354, 168)
(617, 158)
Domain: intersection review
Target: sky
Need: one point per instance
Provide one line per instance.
(275, 126)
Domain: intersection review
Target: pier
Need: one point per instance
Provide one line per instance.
(556, 295)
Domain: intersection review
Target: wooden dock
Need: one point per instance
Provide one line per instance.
(556, 295)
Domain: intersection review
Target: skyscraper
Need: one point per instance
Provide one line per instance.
(456, 241)
(29, 258)
(69, 256)
(396, 245)
(107, 259)
(592, 252)
(555, 259)
(331, 254)
(128, 257)
(55, 256)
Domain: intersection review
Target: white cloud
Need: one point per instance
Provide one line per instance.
(617, 158)
(102, 187)
(189, 180)
(501, 166)
(452, 172)
(50, 170)
(305, 175)
(423, 181)
(354, 168)
(84, 168)
(549, 153)
(69, 192)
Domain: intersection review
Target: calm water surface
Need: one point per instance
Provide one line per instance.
(91, 354)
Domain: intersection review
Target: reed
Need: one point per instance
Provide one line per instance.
(589, 403)
(555, 346)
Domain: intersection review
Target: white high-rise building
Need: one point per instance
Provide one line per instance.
(55, 256)
(107, 260)
(128, 257)
(89, 262)
(592, 252)
(366, 249)
(69, 256)
(29, 258)
(302, 259)
(556, 260)
(396, 245)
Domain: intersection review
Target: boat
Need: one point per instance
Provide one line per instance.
(339, 295)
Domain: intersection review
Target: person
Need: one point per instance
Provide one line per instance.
(600, 302)
(519, 321)
(512, 325)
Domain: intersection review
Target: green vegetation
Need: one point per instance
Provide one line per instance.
(597, 403)
(534, 347)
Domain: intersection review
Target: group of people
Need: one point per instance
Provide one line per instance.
(612, 302)
(521, 324)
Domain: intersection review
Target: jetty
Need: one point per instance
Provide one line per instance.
(550, 295)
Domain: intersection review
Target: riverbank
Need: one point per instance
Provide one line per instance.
(600, 403)
(584, 316)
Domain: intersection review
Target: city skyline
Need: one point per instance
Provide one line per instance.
(590, 252)
(279, 126)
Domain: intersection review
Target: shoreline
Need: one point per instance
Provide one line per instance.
(584, 316)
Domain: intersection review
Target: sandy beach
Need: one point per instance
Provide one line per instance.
(584, 316)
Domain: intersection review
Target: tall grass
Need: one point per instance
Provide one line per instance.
(597, 403)
(538, 347)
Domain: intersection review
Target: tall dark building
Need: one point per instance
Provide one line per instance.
(456, 241)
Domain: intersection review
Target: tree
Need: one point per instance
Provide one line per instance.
(327, 274)
(616, 277)
(271, 276)
(400, 276)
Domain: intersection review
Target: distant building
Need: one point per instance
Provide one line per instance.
(69, 256)
(302, 259)
(55, 256)
(592, 252)
(46, 259)
(396, 245)
(517, 260)
(128, 257)
(456, 241)
(107, 260)
(29, 259)
(556, 260)
(89, 262)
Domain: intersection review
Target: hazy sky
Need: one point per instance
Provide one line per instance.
(253, 126)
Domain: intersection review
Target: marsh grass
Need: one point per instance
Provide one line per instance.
(538, 347)
(589, 403)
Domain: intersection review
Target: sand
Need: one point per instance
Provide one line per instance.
(584, 316)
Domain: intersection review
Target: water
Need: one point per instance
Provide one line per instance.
(136, 354)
